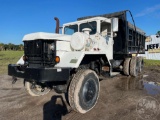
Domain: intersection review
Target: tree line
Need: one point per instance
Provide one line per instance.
(10, 46)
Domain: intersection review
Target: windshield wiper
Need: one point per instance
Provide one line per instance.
(90, 25)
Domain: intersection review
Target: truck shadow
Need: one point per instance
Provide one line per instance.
(55, 108)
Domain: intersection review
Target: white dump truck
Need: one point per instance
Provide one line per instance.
(88, 50)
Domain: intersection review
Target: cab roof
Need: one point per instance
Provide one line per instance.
(88, 20)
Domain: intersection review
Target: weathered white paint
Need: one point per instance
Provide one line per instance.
(20, 61)
(63, 46)
(46, 36)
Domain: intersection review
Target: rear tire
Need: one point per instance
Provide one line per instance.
(134, 67)
(36, 90)
(126, 66)
(140, 63)
(84, 91)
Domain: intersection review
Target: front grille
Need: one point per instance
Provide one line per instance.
(39, 53)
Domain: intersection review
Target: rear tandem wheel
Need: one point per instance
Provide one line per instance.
(133, 66)
(126, 66)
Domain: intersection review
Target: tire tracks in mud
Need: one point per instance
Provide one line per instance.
(113, 102)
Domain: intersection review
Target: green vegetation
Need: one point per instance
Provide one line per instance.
(8, 57)
(10, 46)
(148, 63)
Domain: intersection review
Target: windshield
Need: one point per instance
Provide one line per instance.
(69, 30)
(91, 25)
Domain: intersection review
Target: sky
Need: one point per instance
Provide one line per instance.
(20, 17)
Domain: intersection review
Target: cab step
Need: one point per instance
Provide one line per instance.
(112, 74)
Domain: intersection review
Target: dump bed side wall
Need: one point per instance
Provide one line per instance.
(135, 40)
(128, 41)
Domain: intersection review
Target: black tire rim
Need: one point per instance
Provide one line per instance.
(89, 91)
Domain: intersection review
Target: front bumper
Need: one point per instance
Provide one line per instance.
(39, 74)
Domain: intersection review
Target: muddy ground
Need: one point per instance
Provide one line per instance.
(121, 98)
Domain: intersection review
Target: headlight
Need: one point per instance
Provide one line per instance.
(52, 47)
(25, 58)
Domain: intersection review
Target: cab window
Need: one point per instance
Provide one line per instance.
(69, 30)
(105, 29)
(91, 25)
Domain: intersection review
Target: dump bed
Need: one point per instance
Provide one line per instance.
(130, 39)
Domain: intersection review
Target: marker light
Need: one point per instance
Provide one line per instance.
(57, 59)
(25, 58)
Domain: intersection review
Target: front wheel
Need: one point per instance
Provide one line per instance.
(35, 89)
(84, 90)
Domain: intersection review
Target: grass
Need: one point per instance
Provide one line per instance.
(8, 57)
(153, 63)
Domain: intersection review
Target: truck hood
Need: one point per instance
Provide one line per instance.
(46, 36)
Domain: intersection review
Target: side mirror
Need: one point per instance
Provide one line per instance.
(114, 24)
(158, 34)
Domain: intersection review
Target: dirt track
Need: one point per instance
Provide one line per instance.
(120, 99)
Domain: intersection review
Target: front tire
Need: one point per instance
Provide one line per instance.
(35, 90)
(84, 91)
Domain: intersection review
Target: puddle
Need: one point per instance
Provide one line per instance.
(132, 83)
(152, 88)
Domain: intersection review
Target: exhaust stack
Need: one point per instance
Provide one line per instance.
(57, 25)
